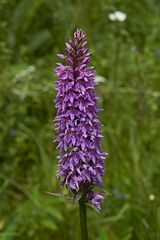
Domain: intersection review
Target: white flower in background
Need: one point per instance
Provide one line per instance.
(117, 16)
(152, 197)
(99, 79)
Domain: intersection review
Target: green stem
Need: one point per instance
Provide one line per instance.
(83, 216)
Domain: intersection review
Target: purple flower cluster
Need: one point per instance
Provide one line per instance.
(81, 161)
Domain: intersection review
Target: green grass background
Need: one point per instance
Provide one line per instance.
(127, 55)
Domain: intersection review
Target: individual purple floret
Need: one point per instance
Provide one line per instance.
(96, 199)
(81, 161)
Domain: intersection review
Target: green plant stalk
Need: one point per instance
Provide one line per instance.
(83, 216)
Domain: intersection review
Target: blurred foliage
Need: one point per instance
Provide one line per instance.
(127, 55)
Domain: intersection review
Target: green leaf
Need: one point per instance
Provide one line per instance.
(78, 196)
(39, 38)
(48, 223)
(61, 196)
(120, 214)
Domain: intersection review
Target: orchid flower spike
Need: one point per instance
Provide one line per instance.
(81, 160)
